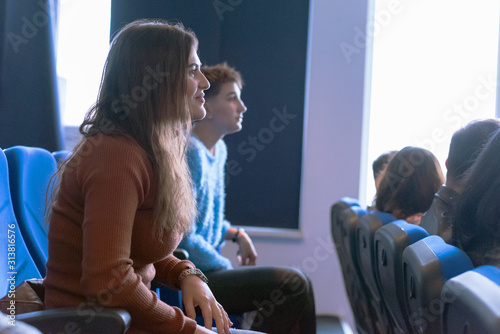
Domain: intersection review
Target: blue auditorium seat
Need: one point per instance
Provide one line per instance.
(427, 265)
(472, 302)
(344, 216)
(389, 242)
(30, 173)
(366, 227)
(16, 260)
(61, 155)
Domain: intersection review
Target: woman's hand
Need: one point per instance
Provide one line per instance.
(195, 292)
(247, 255)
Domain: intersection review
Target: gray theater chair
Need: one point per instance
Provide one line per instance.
(472, 302)
(344, 216)
(427, 265)
(389, 242)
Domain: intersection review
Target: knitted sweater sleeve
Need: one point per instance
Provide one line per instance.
(114, 182)
(221, 184)
(202, 253)
(168, 271)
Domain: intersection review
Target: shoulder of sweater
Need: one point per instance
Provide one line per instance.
(221, 149)
(101, 143)
(102, 149)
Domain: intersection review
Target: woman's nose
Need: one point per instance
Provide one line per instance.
(204, 83)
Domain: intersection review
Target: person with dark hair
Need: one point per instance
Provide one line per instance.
(294, 311)
(465, 146)
(412, 177)
(379, 165)
(125, 197)
(477, 222)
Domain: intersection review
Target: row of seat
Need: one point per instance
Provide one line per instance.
(25, 191)
(401, 280)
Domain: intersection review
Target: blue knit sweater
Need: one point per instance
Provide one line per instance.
(207, 233)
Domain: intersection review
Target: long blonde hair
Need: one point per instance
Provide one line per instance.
(143, 94)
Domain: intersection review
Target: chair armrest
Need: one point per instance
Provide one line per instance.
(181, 254)
(86, 320)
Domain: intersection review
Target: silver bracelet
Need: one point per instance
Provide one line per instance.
(197, 272)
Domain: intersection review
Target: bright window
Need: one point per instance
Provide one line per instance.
(83, 42)
(434, 70)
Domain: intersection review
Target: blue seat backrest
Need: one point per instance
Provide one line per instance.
(30, 173)
(339, 228)
(427, 265)
(344, 217)
(490, 272)
(350, 201)
(366, 227)
(61, 155)
(472, 302)
(389, 243)
(384, 217)
(16, 261)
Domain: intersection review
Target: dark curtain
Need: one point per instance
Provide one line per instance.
(267, 42)
(29, 107)
(497, 111)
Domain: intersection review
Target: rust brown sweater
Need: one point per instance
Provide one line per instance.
(101, 249)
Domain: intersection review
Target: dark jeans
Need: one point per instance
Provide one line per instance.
(282, 297)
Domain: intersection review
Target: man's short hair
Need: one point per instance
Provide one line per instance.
(218, 75)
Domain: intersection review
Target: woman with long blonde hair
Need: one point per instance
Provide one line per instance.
(125, 197)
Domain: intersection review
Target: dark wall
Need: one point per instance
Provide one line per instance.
(29, 108)
(3, 8)
(267, 42)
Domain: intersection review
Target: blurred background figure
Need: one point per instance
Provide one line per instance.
(477, 223)
(411, 179)
(466, 144)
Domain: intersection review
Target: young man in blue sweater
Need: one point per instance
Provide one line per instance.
(281, 299)
(207, 155)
